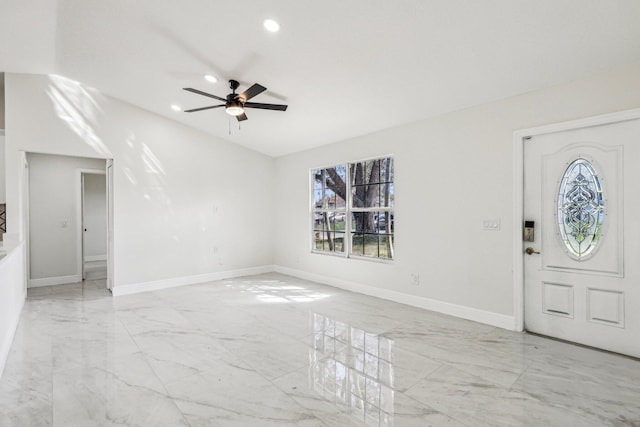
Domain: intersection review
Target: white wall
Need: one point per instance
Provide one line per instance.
(54, 225)
(451, 172)
(28, 31)
(95, 216)
(185, 203)
(11, 297)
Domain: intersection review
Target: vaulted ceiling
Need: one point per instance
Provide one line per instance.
(345, 68)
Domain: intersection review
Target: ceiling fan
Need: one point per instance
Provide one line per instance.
(235, 103)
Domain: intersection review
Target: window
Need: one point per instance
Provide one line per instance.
(329, 208)
(353, 209)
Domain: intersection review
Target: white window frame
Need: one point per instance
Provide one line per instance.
(348, 210)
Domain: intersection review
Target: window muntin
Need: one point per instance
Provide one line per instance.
(368, 189)
(580, 209)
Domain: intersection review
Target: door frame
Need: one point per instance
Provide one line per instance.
(110, 242)
(80, 213)
(519, 139)
(23, 188)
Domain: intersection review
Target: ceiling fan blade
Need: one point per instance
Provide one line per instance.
(203, 108)
(242, 117)
(278, 107)
(254, 90)
(199, 92)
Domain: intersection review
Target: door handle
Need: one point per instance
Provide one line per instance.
(531, 251)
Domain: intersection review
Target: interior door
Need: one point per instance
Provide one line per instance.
(582, 281)
(24, 192)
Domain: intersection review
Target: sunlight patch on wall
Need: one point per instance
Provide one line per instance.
(146, 172)
(77, 107)
(151, 162)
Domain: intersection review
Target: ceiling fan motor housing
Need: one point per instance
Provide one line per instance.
(233, 98)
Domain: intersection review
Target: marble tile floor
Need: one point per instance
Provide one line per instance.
(272, 350)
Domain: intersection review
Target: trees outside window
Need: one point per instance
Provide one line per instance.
(353, 209)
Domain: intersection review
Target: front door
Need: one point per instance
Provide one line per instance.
(582, 269)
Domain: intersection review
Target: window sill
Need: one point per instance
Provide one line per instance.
(333, 254)
(356, 257)
(371, 259)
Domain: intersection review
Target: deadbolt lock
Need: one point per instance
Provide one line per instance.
(528, 231)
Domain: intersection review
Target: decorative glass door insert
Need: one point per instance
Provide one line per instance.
(580, 209)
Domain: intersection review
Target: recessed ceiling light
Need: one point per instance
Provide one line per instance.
(176, 107)
(271, 25)
(210, 78)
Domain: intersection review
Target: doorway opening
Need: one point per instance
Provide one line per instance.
(67, 195)
(93, 224)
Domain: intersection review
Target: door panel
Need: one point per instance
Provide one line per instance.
(578, 287)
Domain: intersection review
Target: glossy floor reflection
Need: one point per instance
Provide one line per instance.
(271, 350)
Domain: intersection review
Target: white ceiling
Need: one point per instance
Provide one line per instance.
(345, 68)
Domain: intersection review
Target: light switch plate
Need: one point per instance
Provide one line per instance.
(491, 225)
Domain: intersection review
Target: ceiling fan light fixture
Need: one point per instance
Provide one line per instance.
(234, 108)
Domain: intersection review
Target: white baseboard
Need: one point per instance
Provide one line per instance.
(90, 258)
(51, 281)
(469, 313)
(188, 280)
